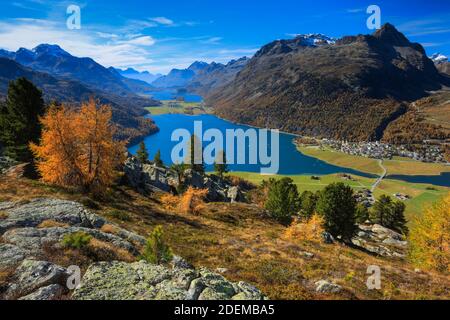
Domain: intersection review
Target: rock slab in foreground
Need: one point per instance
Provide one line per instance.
(144, 281)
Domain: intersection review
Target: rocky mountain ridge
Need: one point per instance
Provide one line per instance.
(57, 62)
(351, 89)
(128, 111)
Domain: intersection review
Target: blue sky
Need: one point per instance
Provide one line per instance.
(158, 35)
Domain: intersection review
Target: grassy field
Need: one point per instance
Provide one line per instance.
(421, 194)
(178, 107)
(304, 182)
(396, 166)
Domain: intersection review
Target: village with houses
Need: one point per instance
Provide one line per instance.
(378, 150)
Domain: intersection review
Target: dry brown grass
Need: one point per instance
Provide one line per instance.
(104, 251)
(252, 247)
(190, 202)
(51, 224)
(309, 230)
(109, 228)
(3, 215)
(6, 276)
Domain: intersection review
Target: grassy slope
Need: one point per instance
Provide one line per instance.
(397, 166)
(240, 238)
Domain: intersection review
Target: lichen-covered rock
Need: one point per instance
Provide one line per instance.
(141, 280)
(24, 244)
(31, 214)
(147, 177)
(32, 275)
(11, 256)
(51, 292)
(179, 262)
(34, 239)
(324, 286)
(380, 240)
(246, 291)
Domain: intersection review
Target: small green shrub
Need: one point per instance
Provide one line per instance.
(120, 215)
(77, 240)
(156, 250)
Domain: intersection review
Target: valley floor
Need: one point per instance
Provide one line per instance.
(252, 247)
(421, 194)
(396, 166)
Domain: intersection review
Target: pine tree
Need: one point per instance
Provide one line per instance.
(157, 160)
(337, 206)
(381, 209)
(308, 202)
(19, 119)
(142, 154)
(362, 213)
(396, 220)
(220, 166)
(195, 157)
(282, 200)
(156, 251)
(390, 214)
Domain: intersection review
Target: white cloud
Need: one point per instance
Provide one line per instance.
(163, 20)
(30, 33)
(140, 41)
(423, 27)
(119, 46)
(107, 35)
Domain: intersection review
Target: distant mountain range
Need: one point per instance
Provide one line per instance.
(350, 88)
(215, 75)
(57, 62)
(65, 78)
(201, 76)
(143, 76)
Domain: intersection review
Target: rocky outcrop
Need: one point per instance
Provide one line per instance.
(380, 241)
(6, 163)
(24, 246)
(32, 213)
(147, 178)
(144, 281)
(33, 275)
(324, 286)
(218, 189)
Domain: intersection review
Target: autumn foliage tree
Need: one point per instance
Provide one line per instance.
(192, 201)
(77, 147)
(429, 238)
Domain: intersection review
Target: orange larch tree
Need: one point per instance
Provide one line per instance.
(77, 148)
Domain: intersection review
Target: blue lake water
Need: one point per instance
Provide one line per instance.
(291, 161)
(442, 180)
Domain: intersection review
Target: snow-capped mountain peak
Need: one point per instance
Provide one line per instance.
(49, 49)
(314, 39)
(438, 58)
